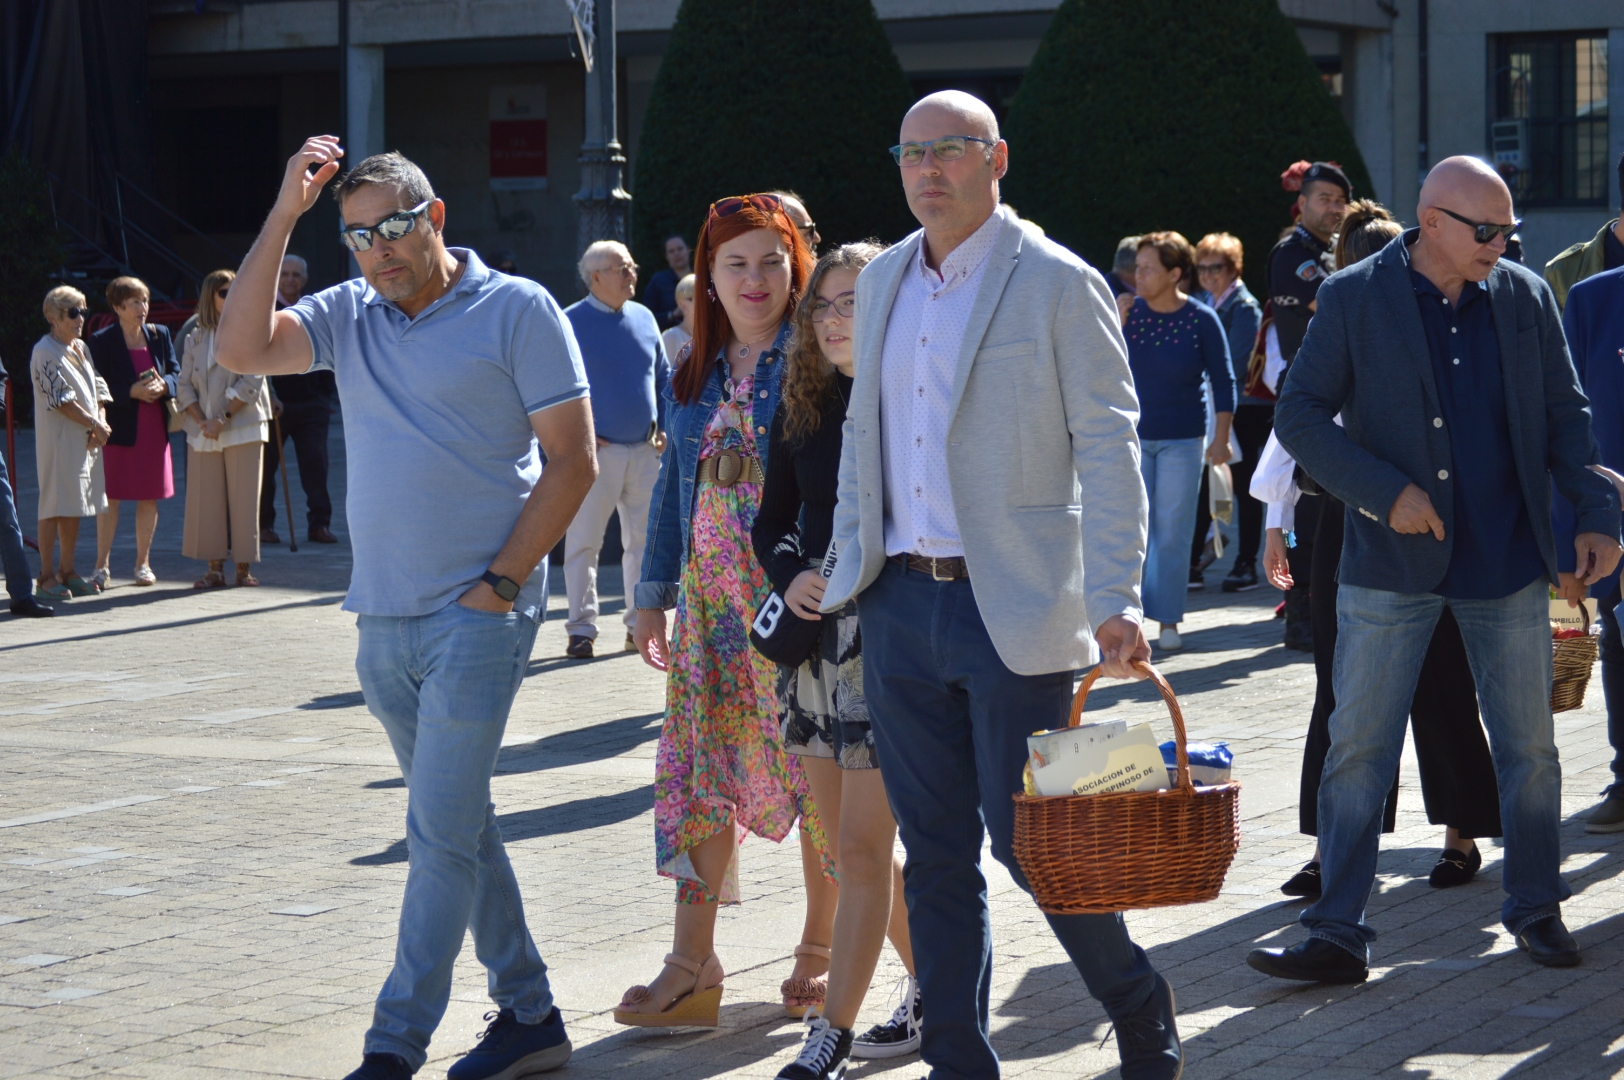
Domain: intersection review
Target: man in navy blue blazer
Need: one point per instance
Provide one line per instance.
(1460, 408)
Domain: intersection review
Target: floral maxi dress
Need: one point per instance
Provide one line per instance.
(721, 763)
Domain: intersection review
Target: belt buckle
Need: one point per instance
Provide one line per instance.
(935, 576)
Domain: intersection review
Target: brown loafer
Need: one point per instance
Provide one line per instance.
(321, 534)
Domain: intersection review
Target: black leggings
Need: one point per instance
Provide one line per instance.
(1252, 426)
(1457, 770)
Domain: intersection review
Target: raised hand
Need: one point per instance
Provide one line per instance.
(301, 188)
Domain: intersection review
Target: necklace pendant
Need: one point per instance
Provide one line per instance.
(744, 350)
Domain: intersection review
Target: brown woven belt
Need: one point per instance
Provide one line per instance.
(950, 569)
(729, 467)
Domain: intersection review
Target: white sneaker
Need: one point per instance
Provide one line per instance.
(898, 1036)
(1170, 640)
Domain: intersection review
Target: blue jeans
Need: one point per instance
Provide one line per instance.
(950, 723)
(1381, 641)
(1172, 471)
(443, 684)
(19, 579)
(1612, 684)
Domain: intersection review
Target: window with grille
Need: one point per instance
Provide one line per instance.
(1548, 131)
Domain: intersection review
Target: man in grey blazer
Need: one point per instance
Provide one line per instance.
(1460, 408)
(991, 376)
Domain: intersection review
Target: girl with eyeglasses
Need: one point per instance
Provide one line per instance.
(70, 429)
(826, 719)
(721, 770)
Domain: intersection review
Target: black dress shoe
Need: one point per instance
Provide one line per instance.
(1453, 868)
(29, 608)
(1148, 1039)
(579, 648)
(1242, 578)
(1315, 960)
(321, 534)
(1305, 882)
(1548, 942)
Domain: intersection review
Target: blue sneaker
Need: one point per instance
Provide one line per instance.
(508, 1049)
(382, 1067)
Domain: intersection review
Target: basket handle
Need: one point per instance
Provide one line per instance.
(1182, 754)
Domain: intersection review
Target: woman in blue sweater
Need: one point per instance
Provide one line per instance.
(1172, 342)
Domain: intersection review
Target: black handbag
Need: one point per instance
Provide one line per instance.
(783, 636)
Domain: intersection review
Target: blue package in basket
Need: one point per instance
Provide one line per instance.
(1209, 762)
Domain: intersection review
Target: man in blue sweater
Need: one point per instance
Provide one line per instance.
(628, 371)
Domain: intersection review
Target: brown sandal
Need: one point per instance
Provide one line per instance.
(699, 1007)
(211, 580)
(805, 992)
(244, 577)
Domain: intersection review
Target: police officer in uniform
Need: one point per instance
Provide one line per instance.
(1297, 266)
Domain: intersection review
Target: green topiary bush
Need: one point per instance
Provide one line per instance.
(30, 257)
(1170, 114)
(754, 95)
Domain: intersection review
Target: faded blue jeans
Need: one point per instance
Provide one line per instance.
(442, 686)
(1381, 640)
(1172, 472)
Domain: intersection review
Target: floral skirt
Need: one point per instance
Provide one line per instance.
(825, 713)
(721, 764)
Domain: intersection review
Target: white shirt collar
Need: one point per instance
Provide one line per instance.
(603, 307)
(963, 260)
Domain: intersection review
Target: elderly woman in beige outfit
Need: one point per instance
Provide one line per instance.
(70, 429)
(225, 417)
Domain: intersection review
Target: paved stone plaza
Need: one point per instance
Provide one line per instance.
(201, 861)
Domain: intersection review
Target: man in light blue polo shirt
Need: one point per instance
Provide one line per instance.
(451, 376)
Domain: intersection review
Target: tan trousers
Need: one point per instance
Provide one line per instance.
(626, 476)
(222, 503)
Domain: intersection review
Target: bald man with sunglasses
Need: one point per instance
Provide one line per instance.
(456, 379)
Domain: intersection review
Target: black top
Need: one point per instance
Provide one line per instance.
(1297, 266)
(112, 359)
(660, 297)
(797, 514)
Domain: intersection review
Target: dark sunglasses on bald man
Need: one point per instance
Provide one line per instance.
(767, 204)
(393, 227)
(1483, 232)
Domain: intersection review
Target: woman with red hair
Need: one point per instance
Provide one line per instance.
(721, 769)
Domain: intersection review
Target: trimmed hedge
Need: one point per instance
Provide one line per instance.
(30, 262)
(754, 95)
(1138, 115)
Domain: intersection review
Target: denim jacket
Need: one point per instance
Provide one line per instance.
(671, 510)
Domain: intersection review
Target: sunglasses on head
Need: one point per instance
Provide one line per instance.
(767, 204)
(1483, 231)
(393, 227)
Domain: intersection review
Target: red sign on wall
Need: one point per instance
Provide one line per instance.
(518, 149)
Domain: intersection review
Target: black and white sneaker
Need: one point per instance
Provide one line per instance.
(824, 1056)
(898, 1036)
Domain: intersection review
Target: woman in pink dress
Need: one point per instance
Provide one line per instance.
(137, 359)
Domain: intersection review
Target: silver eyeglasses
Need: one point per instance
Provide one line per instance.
(947, 148)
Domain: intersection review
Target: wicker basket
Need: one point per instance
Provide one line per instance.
(1571, 662)
(1095, 854)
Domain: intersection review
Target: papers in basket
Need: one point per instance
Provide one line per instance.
(1094, 759)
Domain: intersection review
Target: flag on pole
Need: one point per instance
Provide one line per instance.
(581, 14)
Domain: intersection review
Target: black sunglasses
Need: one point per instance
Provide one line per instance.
(75, 312)
(1482, 231)
(221, 293)
(393, 227)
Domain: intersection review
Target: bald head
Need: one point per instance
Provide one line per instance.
(1465, 181)
(1459, 194)
(971, 113)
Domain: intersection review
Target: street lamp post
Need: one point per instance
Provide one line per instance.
(605, 206)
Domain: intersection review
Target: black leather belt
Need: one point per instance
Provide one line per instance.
(949, 569)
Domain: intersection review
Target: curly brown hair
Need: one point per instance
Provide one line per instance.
(809, 374)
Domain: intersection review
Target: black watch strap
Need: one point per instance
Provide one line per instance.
(506, 588)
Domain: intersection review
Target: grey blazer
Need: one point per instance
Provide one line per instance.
(1366, 357)
(1042, 395)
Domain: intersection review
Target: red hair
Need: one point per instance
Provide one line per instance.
(712, 330)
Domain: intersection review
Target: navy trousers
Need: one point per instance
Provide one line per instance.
(950, 724)
(19, 579)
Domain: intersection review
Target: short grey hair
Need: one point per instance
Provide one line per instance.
(393, 169)
(1127, 255)
(61, 298)
(304, 267)
(595, 257)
